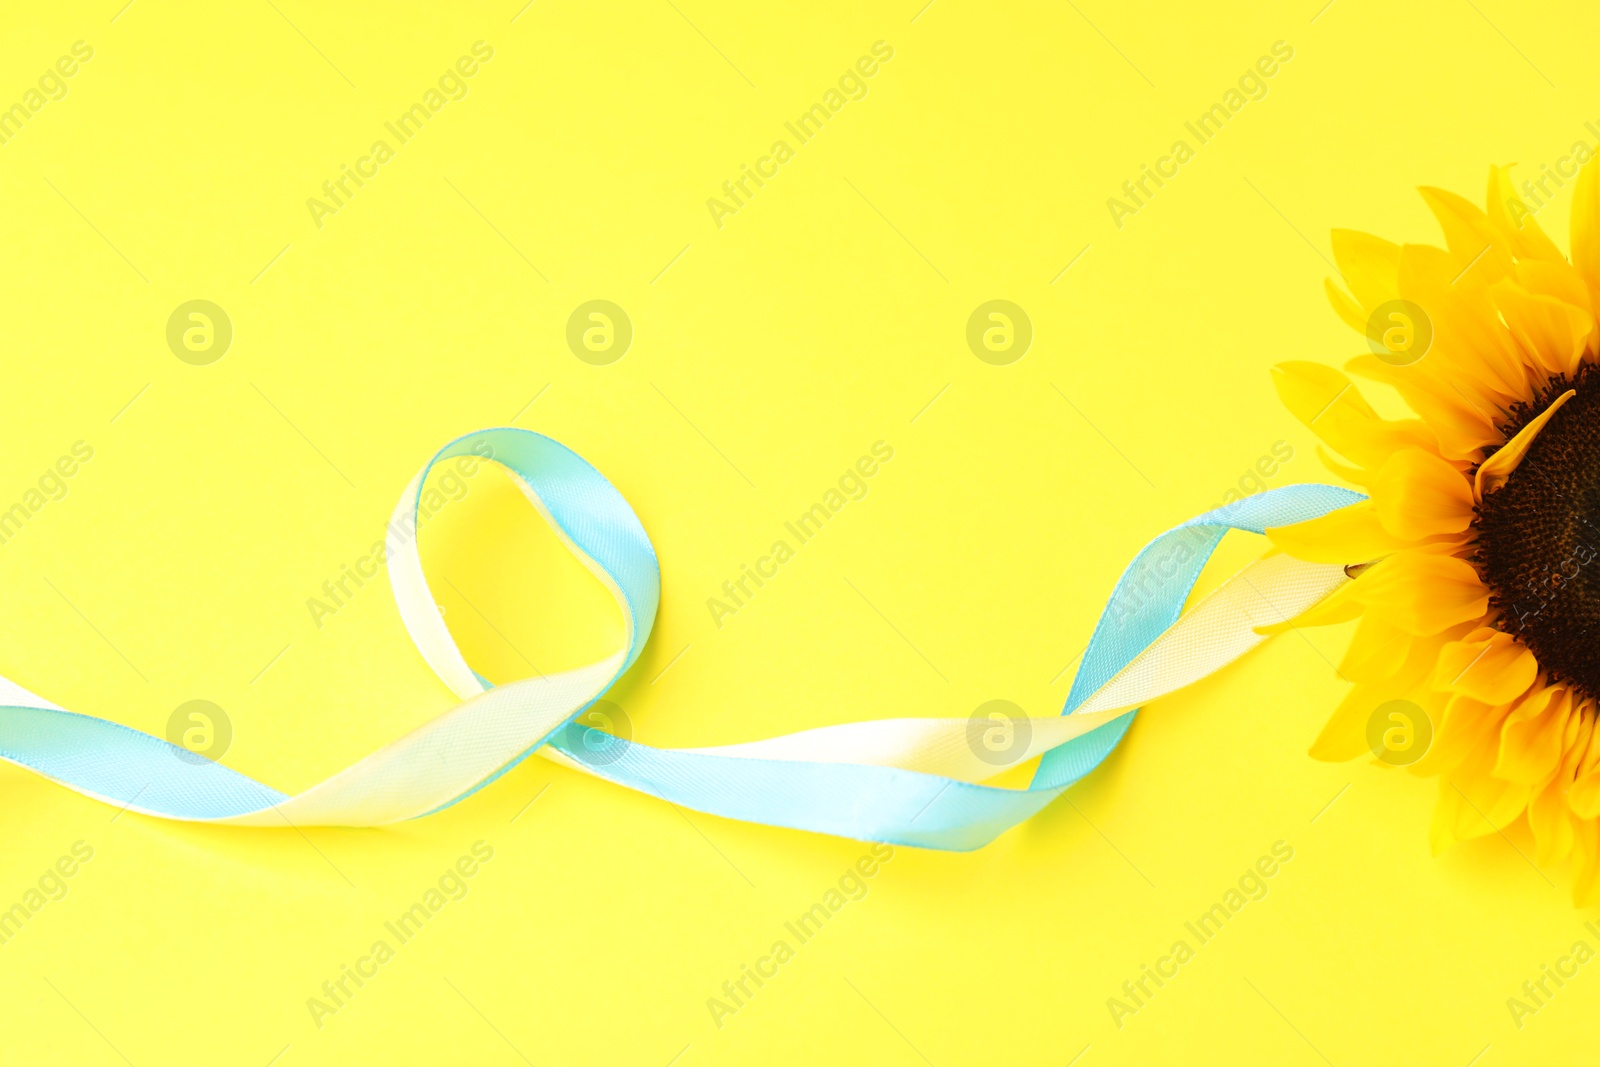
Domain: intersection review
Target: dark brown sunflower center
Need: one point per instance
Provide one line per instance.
(1538, 546)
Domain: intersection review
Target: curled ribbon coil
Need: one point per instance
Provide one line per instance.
(908, 781)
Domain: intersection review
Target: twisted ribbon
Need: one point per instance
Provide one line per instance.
(909, 781)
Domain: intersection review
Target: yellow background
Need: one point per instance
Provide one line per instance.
(768, 355)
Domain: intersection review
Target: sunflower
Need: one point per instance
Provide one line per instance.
(1476, 556)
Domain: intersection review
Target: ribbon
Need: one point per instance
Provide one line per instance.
(905, 781)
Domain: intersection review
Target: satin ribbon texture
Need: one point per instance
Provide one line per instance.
(906, 781)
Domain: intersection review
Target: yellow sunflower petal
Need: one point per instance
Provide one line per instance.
(1493, 472)
(1421, 592)
(1473, 803)
(1307, 389)
(1461, 425)
(1496, 801)
(1584, 796)
(1330, 405)
(1513, 220)
(1586, 864)
(1467, 231)
(1472, 349)
(1549, 816)
(1344, 736)
(1369, 266)
(1556, 278)
(1418, 495)
(1353, 475)
(1462, 729)
(1377, 651)
(1348, 309)
(1585, 239)
(1559, 279)
(1488, 665)
(1552, 332)
(1551, 822)
(1530, 740)
(1349, 535)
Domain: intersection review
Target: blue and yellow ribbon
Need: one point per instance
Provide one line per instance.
(907, 781)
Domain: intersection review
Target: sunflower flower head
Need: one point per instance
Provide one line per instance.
(1476, 556)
